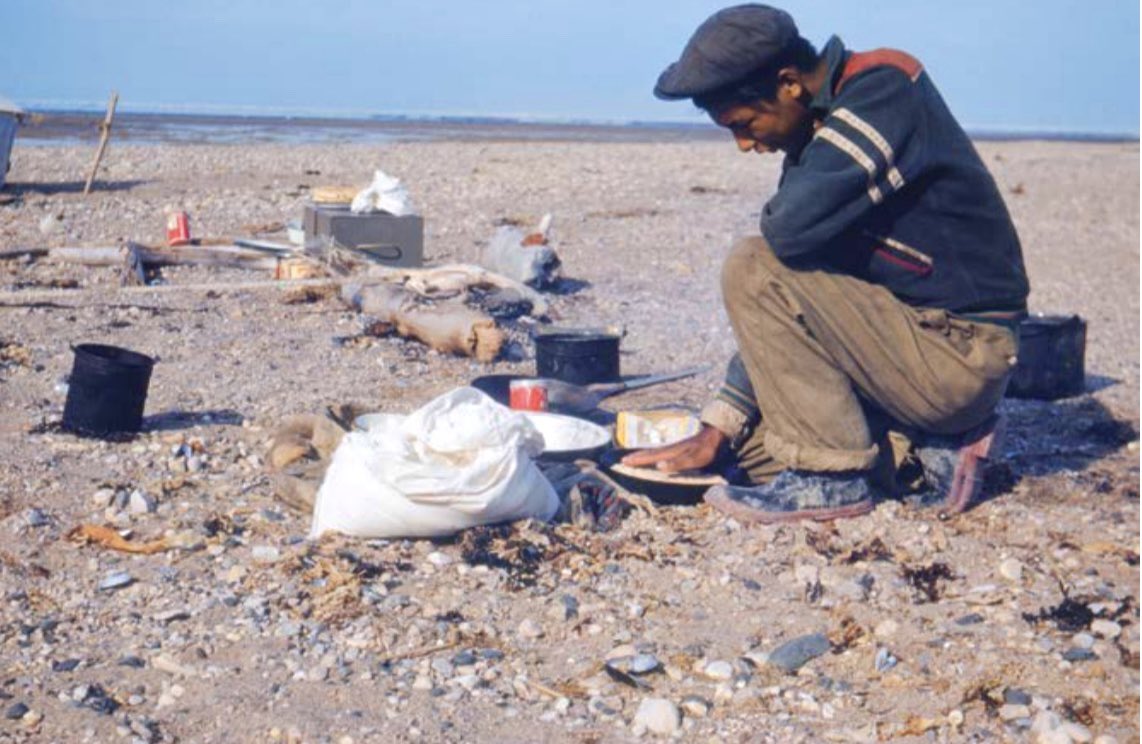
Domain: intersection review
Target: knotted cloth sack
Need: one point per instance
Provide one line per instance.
(461, 460)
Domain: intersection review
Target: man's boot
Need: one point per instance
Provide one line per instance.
(794, 495)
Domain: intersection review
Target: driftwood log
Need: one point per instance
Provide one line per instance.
(215, 255)
(448, 327)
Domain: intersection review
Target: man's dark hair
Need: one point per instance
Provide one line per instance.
(762, 83)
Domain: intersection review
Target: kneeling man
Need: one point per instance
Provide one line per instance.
(884, 292)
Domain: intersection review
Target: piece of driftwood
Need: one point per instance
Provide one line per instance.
(215, 255)
(105, 134)
(12, 254)
(448, 327)
(37, 297)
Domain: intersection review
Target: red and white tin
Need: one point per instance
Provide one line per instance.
(528, 395)
(178, 229)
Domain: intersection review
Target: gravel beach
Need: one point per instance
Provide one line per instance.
(1017, 621)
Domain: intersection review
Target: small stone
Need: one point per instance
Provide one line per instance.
(1105, 628)
(102, 498)
(973, 619)
(51, 223)
(695, 707)
(794, 654)
(1079, 654)
(141, 503)
(1077, 732)
(1011, 712)
(171, 616)
(1011, 569)
(235, 574)
(1016, 696)
(265, 554)
(439, 559)
(1083, 640)
(467, 681)
(37, 518)
(886, 629)
(132, 661)
(16, 711)
(464, 658)
(658, 716)
(530, 630)
(719, 670)
(65, 665)
(422, 682)
(116, 580)
(884, 660)
(1045, 721)
(622, 651)
(955, 718)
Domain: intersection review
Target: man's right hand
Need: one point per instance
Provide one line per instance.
(693, 453)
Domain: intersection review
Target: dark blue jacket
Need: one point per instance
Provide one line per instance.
(891, 190)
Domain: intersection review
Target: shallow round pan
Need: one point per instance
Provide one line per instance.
(665, 488)
(568, 438)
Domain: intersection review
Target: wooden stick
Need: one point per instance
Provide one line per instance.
(14, 253)
(105, 128)
(215, 255)
(21, 298)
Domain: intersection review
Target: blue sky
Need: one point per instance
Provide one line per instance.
(1050, 65)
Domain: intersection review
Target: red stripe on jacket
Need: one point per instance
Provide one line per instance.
(858, 62)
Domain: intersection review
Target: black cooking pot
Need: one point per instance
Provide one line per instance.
(107, 391)
(1051, 358)
(577, 355)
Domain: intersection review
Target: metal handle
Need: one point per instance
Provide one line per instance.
(607, 389)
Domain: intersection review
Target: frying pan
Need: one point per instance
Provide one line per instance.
(571, 398)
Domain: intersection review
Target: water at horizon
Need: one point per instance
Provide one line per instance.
(49, 128)
(78, 127)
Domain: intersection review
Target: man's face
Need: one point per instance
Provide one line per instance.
(767, 126)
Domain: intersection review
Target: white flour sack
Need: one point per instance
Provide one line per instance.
(461, 460)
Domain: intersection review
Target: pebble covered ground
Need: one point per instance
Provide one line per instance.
(1015, 621)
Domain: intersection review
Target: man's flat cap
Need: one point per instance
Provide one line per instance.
(730, 45)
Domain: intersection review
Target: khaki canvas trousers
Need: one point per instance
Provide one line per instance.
(836, 362)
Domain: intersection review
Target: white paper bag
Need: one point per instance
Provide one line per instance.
(384, 194)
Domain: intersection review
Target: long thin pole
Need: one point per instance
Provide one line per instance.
(105, 129)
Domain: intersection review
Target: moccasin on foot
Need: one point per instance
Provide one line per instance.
(795, 495)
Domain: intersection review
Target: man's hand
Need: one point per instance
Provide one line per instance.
(692, 453)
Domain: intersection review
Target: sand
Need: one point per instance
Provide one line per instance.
(254, 651)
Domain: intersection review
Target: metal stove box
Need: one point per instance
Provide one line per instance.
(396, 241)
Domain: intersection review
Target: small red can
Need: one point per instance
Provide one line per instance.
(178, 229)
(528, 395)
